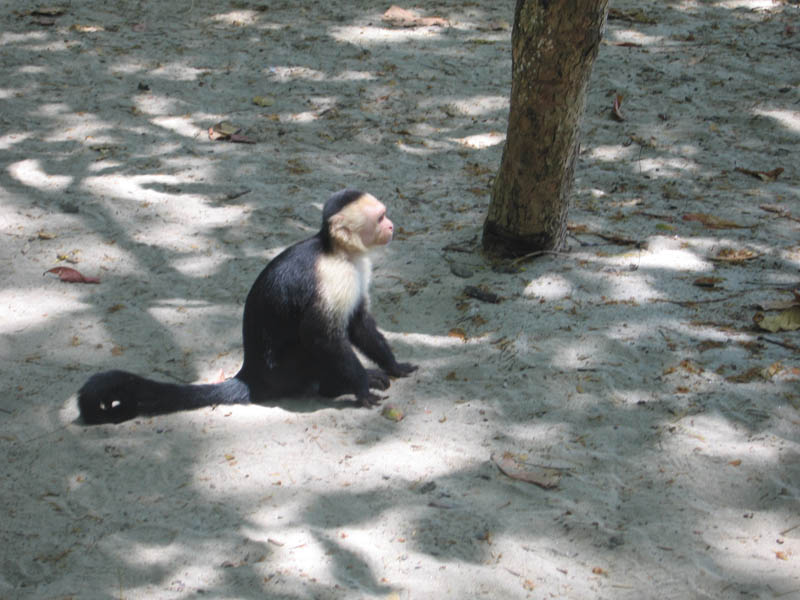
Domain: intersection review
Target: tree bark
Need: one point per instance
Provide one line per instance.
(554, 44)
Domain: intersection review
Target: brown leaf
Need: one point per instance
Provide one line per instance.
(48, 11)
(482, 294)
(500, 25)
(297, 167)
(459, 333)
(707, 282)
(402, 17)
(632, 16)
(70, 275)
(237, 138)
(762, 175)
(263, 100)
(711, 221)
(615, 110)
(734, 255)
(752, 374)
(544, 477)
(81, 28)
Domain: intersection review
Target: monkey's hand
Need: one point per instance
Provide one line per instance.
(378, 380)
(370, 400)
(402, 369)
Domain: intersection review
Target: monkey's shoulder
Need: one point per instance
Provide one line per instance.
(305, 275)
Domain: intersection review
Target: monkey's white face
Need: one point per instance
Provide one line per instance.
(361, 225)
(376, 229)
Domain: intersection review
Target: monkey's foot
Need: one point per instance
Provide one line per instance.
(403, 370)
(378, 380)
(370, 400)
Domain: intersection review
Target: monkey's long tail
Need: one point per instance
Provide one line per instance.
(116, 396)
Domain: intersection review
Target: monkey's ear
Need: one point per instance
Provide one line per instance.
(337, 226)
(343, 235)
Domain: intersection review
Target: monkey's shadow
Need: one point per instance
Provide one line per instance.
(307, 403)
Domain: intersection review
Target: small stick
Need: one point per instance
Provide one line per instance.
(690, 302)
(779, 343)
(793, 527)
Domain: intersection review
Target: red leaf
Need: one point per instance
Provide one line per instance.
(241, 139)
(762, 175)
(616, 113)
(70, 275)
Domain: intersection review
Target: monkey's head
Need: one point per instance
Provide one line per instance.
(354, 222)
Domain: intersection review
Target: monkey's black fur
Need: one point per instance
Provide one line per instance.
(292, 342)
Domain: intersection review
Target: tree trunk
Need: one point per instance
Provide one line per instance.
(554, 44)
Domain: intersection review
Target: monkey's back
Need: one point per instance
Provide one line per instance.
(281, 299)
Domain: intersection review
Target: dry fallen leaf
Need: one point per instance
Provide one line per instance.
(632, 16)
(225, 130)
(500, 25)
(81, 28)
(263, 100)
(752, 374)
(707, 282)
(70, 275)
(297, 167)
(787, 320)
(401, 17)
(544, 477)
(615, 109)
(48, 11)
(734, 255)
(238, 138)
(481, 293)
(711, 221)
(459, 333)
(762, 175)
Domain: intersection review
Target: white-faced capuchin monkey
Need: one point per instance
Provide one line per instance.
(302, 317)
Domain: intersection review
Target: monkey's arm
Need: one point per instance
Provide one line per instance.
(364, 335)
(334, 362)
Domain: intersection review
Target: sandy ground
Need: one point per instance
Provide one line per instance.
(672, 423)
